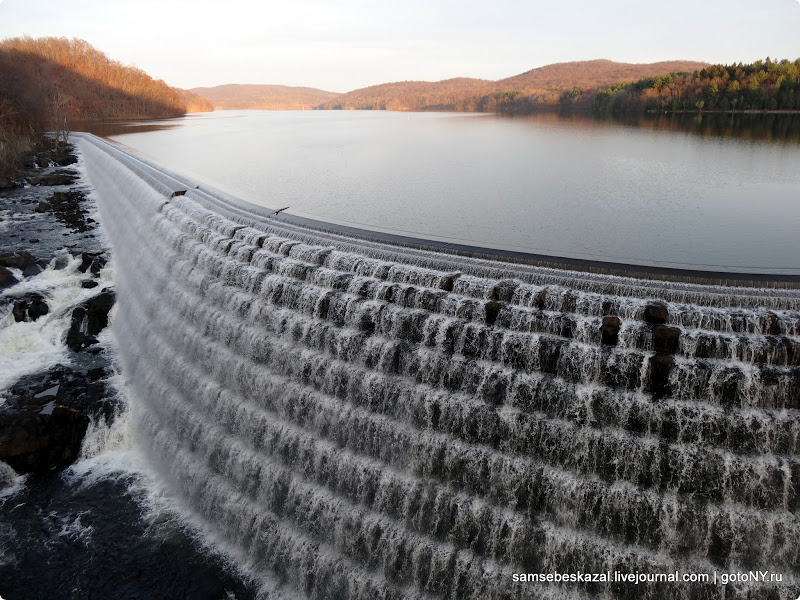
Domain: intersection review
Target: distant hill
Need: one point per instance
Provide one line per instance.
(450, 94)
(592, 74)
(262, 97)
(465, 94)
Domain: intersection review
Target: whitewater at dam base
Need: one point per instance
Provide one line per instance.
(350, 418)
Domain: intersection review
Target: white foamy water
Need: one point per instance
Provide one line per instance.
(352, 420)
(10, 481)
(29, 347)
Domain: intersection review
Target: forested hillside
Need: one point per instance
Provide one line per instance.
(263, 97)
(462, 94)
(762, 85)
(543, 86)
(47, 83)
(592, 74)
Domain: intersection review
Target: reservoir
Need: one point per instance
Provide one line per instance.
(564, 187)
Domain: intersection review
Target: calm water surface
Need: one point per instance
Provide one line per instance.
(563, 187)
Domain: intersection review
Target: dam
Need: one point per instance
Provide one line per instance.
(352, 419)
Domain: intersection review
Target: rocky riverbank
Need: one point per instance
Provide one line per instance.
(68, 531)
(50, 279)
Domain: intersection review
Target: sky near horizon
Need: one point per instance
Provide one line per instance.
(341, 46)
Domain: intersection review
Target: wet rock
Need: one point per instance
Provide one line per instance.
(49, 156)
(67, 209)
(541, 299)
(88, 284)
(773, 324)
(656, 312)
(22, 260)
(610, 308)
(31, 270)
(92, 262)
(46, 415)
(666, 339)
(62, 158)
(33, 442)
(7, 278)
(492, 309)
(30, 308)
(449, 281)
(569, 302)
(660, 367)
(609, 330)
(504, 290)
(9, 184)
(89, 319)
(58, 177)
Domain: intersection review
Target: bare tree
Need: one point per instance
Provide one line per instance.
(59, 124)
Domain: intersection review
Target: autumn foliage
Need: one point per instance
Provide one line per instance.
(263, 97)
(761, 86)
(50, 83)
(542, 86)
(81, 82)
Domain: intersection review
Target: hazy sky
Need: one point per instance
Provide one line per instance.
(339, 46)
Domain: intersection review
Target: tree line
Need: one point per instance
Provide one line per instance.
(535, 89)
(760, 86)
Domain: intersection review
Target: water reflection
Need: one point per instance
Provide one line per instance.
(778, 128)
(783, 128)
(773, 128)
(111, 128)
(715, 193)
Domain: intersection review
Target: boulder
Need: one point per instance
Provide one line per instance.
(44, 420)
(49, 156)
(37, 441)
(59, 177)
(92, 262)
(89, 319)
(7, 278)
(63, 157)
(30, 308)
(9, 184)
(25, 261)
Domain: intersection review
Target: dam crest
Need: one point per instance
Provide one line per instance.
(357, 420)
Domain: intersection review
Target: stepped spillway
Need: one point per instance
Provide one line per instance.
(351, 419)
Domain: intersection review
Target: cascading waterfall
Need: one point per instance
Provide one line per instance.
(356, 420)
